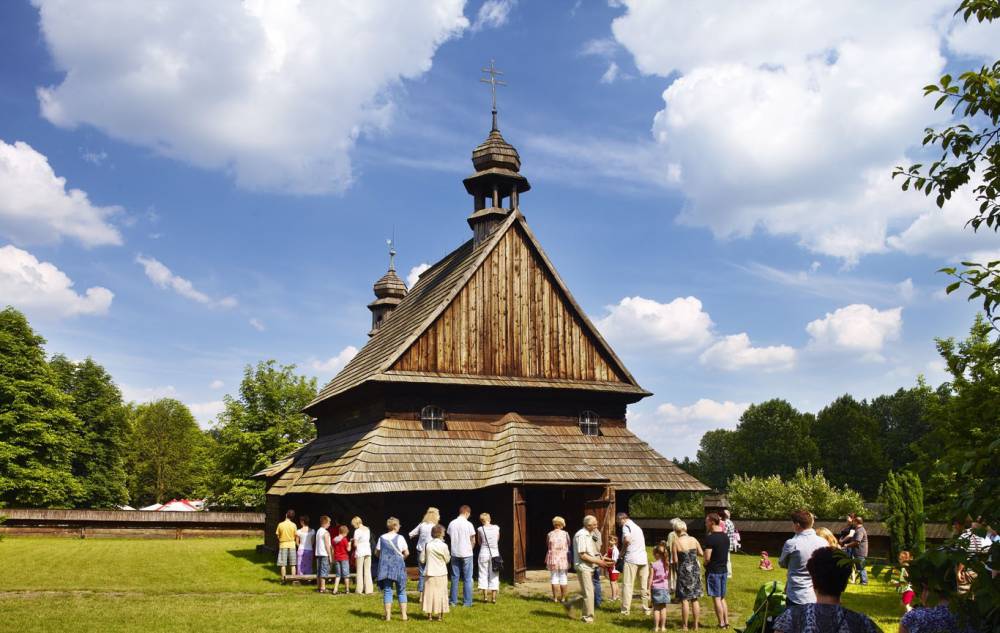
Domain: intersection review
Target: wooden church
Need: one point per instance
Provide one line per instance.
(483, 384)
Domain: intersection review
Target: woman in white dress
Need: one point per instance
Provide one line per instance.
(488, 539)
(362, 556)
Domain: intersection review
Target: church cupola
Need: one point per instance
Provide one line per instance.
(389, 292)
(497, 184)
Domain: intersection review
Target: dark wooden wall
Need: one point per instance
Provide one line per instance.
(511, 319)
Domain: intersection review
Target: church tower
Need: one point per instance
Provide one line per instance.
(389, 292)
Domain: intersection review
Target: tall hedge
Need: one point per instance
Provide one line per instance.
(903, 496)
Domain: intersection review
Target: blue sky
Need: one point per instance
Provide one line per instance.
(188, 189)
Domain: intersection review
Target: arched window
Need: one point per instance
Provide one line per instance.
(432, 418)
(590, 424)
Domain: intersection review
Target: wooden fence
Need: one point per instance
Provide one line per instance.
(129, 523)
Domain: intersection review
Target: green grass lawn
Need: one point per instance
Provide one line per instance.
(107, 586)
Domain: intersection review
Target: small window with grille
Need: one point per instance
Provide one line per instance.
(432, 418)
(590, 424)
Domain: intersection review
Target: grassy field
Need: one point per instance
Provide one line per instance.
(107, 586)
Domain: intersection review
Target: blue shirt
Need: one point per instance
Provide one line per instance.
(794, 556)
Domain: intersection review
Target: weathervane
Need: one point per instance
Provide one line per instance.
(391, 243)
(493, 82)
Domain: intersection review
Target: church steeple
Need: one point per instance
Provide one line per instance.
(389, 292)
(497, 184)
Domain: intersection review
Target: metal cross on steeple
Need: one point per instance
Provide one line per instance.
(494, 82)
(392, 250)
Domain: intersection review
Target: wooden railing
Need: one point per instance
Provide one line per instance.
(129, 523)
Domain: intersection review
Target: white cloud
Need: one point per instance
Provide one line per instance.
(275, 93)
(257, 324)
(39, 288)
(637, 321)
(162, 276)
(216, 384)
(36, 208)
(92, 157)
(335, 363)
(604, 47)
(788, 117)
(858, 328)
(943, 234)
(735, 352)
(907, 291)
(709, 413)
(839, 286)
(493, 14)
(611, 74)
(146, 394)
(414, 275)
(206, 412)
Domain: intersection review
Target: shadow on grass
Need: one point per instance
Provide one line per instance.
(260, 560)
(559, 615)
(371, 615)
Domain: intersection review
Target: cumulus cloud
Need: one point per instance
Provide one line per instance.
(493, 14)
(257, 324)
(216, 384)
(637, 321)
(335, 363)
(131, 393)
(36, 207)
(735, 352)
(414, 275)
(710, 413)
(788, 117)
(275, 93)
(41, 289)
(163, 277)
(611, 74)
(206, 412)
(942, 233)
(858, 328)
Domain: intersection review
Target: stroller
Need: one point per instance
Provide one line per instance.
(769, 604)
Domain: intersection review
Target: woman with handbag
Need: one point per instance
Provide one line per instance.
(490, 563)
(392, 552)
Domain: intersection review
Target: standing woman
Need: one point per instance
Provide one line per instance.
(392, 552)
(305, 537)
(488, 538)
(423, 535)
(557, 559)
(686, 551)
(363, 555)
(435, 559)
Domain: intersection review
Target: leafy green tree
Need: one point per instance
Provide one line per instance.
(851, 454)
(773, 438)
(654, 505)
(776, 498)
(166, 456)
(715, 457)
(265, 422)
(37, 427)
(99, 451)
(968, 154)
(902, 420)
(903, 496)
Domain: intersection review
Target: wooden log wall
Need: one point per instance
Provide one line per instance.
(511, 319)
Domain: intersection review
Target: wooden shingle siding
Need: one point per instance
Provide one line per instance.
(497, 326)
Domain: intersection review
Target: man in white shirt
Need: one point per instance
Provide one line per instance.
(462, 537)
(636, 564)
(586, 558)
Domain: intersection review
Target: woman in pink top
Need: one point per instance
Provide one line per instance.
(557, 558)
(659, 587)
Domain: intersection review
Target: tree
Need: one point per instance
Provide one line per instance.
(773, 438)
(903, 496)
(850, 450)
(37, 427)
(99, 450)
(715, 457)
(902, 420)
(264, 423)
(776, 498)
(167, 452)
(969, 154)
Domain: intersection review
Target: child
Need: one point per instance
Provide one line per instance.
(323, 549)
(765, 562)
(305, 537)
(903, 585)
(435, 558)
(613, 573)
(342, 560)
(659, 587)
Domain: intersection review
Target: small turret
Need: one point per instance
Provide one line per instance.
(389, 292)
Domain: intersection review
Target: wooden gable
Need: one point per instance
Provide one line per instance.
(513, 318)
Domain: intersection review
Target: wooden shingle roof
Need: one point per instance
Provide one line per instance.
(435, 291)
(399, 455)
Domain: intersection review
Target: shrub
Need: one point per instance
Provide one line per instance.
(903, 496)
(773, 498)
(651, 505)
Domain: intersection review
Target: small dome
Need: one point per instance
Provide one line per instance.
(390, 285)
(496, 152)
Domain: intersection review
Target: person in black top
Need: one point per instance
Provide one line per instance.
(716, 560)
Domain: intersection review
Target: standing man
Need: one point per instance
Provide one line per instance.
(844, 536)
(734, 540)
(716, 559)
(858, 546)
(462, 537)
(286, 544)
(636, 564)
(794, 556)
(586, 559)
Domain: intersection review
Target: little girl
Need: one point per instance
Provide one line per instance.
(903, 585)
(613, 572)
(765, 562)
(659, 587)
